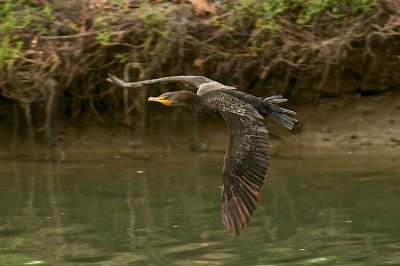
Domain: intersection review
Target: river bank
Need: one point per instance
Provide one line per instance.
(55, 57)
(351, 124)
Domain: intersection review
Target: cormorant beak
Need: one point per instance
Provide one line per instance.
(160, 99)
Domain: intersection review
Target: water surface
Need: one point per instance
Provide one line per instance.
(329, 210)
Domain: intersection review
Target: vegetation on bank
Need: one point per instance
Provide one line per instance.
(54, 56)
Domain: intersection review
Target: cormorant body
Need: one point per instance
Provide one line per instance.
(246, 159)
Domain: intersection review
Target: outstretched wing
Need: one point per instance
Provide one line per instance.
(246, 163)
(195, 81)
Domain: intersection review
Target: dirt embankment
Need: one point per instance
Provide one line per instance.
(351, 124)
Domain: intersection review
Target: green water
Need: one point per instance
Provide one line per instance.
(319, 210)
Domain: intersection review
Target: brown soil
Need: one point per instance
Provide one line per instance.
(350, 124)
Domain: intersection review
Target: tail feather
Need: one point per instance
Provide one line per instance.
(275, 99)
(284, 110)
(278, 113)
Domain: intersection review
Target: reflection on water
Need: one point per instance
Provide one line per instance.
(313, 211)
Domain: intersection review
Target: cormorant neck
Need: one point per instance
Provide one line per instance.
(193, 101)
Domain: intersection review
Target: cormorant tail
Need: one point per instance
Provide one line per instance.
(279, 114)
(195, 81)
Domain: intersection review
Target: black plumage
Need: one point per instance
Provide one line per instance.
(246, 158)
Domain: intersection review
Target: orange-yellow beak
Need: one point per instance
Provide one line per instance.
(160, 99)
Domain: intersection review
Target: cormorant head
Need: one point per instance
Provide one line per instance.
(175, 98)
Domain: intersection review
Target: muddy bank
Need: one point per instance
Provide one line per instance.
(351, 124)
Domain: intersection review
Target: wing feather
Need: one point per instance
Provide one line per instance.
(245, 166)
(195, 81)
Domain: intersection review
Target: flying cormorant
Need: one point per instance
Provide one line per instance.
(246, 158)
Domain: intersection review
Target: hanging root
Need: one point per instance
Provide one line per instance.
(279, 114)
